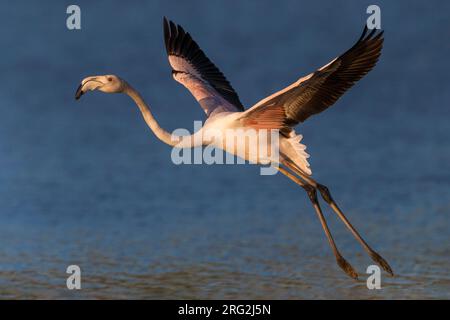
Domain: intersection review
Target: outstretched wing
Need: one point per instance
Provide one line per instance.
(197, 73)
(319, 90)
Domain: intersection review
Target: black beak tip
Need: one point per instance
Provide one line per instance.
(79, 93)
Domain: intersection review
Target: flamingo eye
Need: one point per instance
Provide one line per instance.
(109, 79)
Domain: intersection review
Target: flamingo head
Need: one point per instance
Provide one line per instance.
(107, 83)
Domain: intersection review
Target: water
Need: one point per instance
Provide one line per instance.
(86, 183)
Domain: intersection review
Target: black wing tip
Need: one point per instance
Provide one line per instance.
(166, 33)
(175, 37)
(363, 33)
(170, 33)
(374, 33)
(166, 26)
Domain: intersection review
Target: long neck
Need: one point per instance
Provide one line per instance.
(163, 135)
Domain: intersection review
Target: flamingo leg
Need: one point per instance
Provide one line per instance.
(312, 194)
(329, 200)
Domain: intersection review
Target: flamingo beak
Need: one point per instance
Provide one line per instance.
(88, 84)
(79, 92)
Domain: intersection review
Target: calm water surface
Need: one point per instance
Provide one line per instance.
(86, 183)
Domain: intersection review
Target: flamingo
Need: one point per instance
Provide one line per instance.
(282, 111)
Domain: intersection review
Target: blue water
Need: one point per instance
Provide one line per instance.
(86, 183)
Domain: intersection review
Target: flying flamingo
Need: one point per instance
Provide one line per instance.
(282, 110)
